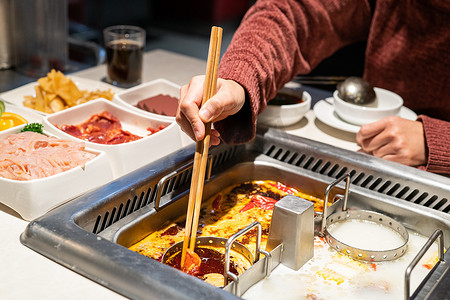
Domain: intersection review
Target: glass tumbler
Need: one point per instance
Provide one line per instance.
(124, 54)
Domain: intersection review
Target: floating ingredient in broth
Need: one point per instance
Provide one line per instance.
(56, 92)
(30, 155)
(331, 275)
(160, 104)
(204, 261)
(223, 215)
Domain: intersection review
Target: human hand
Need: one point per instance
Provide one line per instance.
(395, 139)
(228, 100)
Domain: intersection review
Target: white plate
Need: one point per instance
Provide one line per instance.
(29, 114)
(324, 111)
(16, 96)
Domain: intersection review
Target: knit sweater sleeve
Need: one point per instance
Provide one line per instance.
(279, 39)
(437, 137)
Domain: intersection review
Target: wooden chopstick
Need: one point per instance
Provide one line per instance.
(201, 151)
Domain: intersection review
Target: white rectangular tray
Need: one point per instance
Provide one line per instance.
(35, 197)
(126, 157)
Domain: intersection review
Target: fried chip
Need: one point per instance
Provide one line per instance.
(56, 92)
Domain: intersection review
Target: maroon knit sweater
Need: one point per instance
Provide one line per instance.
(408, 52)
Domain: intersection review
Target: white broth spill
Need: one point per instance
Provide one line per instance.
(330, 275)
(366, 235)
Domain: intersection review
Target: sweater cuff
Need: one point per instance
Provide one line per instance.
(240, 127)
(437, 137)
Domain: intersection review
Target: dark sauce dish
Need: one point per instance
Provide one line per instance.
(288, 106)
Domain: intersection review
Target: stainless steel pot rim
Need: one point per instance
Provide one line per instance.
(367, 254)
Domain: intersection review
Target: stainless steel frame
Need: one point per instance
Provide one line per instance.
(90, 234)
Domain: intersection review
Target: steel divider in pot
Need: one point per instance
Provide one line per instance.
(438, 233)
(361, 215)
(231, 241)
(230, 245)
(212, 242)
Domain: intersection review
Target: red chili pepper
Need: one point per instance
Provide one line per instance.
(217, 202)
(283, 188)
(264, 202)
(322, 239)
(374, 267)
(248, 206)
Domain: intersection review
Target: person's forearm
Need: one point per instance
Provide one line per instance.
(437, 136)
(280, 39)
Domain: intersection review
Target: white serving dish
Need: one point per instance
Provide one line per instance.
(35, 197)
(125, 157)
(16, 96)
(286, 115)
(387, 104)
(129, 98)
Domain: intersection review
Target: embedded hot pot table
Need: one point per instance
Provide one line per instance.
(26, 274)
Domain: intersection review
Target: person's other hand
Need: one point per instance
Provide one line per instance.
(395, 139)
(228, 100)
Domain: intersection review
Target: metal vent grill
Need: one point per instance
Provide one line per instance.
(172, 186)
(125, 208)
(360, 178)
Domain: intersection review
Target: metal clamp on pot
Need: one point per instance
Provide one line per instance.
(360, 215)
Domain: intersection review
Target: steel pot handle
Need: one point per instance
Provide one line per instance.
(164, 182)
(229, 243)
(415, 261)
(327, 192)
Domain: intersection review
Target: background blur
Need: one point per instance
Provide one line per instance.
(181, 26)
(184, 26)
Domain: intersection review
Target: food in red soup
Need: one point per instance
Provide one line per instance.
(104, 128)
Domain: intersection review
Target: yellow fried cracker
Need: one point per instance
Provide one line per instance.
(58, 92)
(40, 102)
(29, 101)
(57, 104)
(66, 89)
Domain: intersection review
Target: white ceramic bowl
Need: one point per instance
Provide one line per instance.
(126, 157)
(387, 104)
(33, 198)
(285, 115)
(129, 98)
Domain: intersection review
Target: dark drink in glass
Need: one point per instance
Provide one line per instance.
(124, 54)
(124, 62)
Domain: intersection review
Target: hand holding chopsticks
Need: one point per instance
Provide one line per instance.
(201, 155)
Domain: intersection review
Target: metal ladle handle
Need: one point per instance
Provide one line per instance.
(327, 192)
(229, 243)
(415, 261)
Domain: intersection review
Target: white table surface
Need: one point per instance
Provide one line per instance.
(25, 274)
